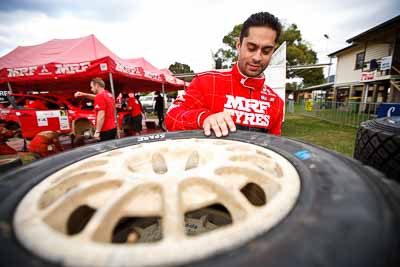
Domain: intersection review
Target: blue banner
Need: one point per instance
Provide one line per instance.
(388, 110)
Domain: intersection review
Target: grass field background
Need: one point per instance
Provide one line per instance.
(321, 133)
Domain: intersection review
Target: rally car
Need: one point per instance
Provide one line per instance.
(34, 113)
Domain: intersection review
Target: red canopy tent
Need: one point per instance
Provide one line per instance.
(166, 71)
(69, 64)
(151, 70)
(170, 76)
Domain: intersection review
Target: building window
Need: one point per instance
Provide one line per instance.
(360, 60)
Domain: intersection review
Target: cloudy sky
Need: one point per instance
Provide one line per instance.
(182, 30)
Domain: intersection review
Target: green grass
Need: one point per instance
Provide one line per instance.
(321, 133)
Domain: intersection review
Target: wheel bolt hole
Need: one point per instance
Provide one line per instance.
(254, 194)
(159, 164)
(193, 161)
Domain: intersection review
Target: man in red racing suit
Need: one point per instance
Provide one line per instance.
(251, 104)
(236, 99)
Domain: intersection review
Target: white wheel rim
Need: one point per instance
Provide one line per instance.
(150, 180)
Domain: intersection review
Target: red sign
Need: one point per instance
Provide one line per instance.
(367, 76)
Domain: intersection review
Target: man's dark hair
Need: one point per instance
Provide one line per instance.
(261, 19)
(99, 81)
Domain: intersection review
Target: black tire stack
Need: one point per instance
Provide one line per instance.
(378, 145)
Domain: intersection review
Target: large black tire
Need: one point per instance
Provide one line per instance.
(346, 215)
(378, 145)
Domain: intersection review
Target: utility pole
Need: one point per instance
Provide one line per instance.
(330, 60)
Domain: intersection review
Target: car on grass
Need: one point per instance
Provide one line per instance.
(148, 102)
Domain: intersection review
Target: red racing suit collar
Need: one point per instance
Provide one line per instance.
(248, 82)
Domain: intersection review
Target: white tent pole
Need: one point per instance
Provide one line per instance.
(115, 108)
(9, 87)
(25, 148)
(163, 94)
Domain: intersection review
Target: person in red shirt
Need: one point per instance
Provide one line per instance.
(136, 115)
(133, 120)
(223, 101)
(45, 144)
(104, 105)
(5, 133)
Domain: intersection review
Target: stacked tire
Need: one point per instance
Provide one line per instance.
(378, 145)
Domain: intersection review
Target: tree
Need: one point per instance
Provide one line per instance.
(298, 52)
(180, 68)
(292, 86)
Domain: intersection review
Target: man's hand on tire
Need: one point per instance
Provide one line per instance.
(221, 123)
